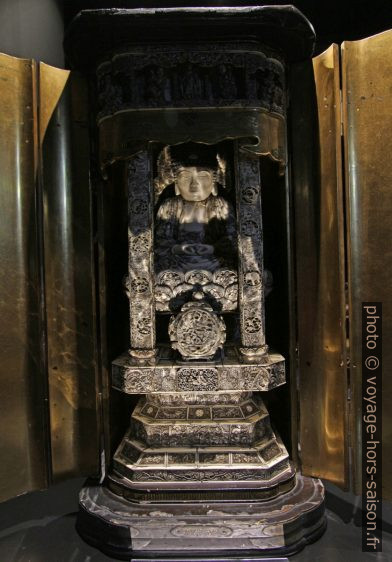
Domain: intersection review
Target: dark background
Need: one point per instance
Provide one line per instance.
(34, 28)
(334, 21)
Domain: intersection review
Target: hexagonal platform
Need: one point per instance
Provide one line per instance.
(226, 374)
(195, 446)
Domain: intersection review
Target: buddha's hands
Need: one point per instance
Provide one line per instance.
(204, 249)
(193, 249)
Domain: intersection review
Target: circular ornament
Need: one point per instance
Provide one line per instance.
(197, 332)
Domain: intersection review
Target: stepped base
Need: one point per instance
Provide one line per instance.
(198, 491)
(168, 531)
(202, 466)
(171, 447)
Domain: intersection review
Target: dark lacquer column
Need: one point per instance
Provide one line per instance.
(140, 282)
(250, 253)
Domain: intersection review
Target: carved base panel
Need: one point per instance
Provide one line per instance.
(199, 444)
(227, 374)
(242, 406)
(205, 398)
(282, 525)
(197, 467)
(208, 490)
(201, 425)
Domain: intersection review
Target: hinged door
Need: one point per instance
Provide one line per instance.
(320, 268)
(50, 392)
(342, 177)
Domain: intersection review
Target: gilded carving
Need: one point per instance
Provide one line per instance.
(152, 459)
(140, 243)
(252, 323)
(197, 332)
(226, 412)
(197, 379)
(246, 458)
(181, 458)
(214, 458)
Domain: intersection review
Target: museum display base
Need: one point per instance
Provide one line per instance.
(168, 531)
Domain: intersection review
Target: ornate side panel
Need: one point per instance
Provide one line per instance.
(250, 252)
(367, 106)
(23, 415)
(140, 283)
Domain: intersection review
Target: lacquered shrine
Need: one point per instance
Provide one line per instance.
(191, 107)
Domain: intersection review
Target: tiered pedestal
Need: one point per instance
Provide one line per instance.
(201, 469)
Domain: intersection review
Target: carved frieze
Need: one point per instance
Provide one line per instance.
(231, 375)
(219, 410)
(197, 379)
(206, 398)
(199, 77)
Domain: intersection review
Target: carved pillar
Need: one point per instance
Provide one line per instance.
(140, 281)
(250, 257)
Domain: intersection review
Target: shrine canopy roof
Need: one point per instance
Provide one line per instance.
(94, 35)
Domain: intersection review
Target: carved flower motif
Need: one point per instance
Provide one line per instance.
(140, 243)
(170, 278)
(252, 279)
(253, 325)
(198, 277)
(249, 227)
(225, 277)
(138, 206)
(144, 326)
(249, 194)
(139, 285)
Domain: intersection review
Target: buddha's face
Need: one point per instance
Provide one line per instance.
(194, 183)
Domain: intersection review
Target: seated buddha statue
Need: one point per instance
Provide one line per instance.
(195, 229)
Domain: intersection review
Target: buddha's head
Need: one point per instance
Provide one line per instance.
(195, 169)
(195, 183)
